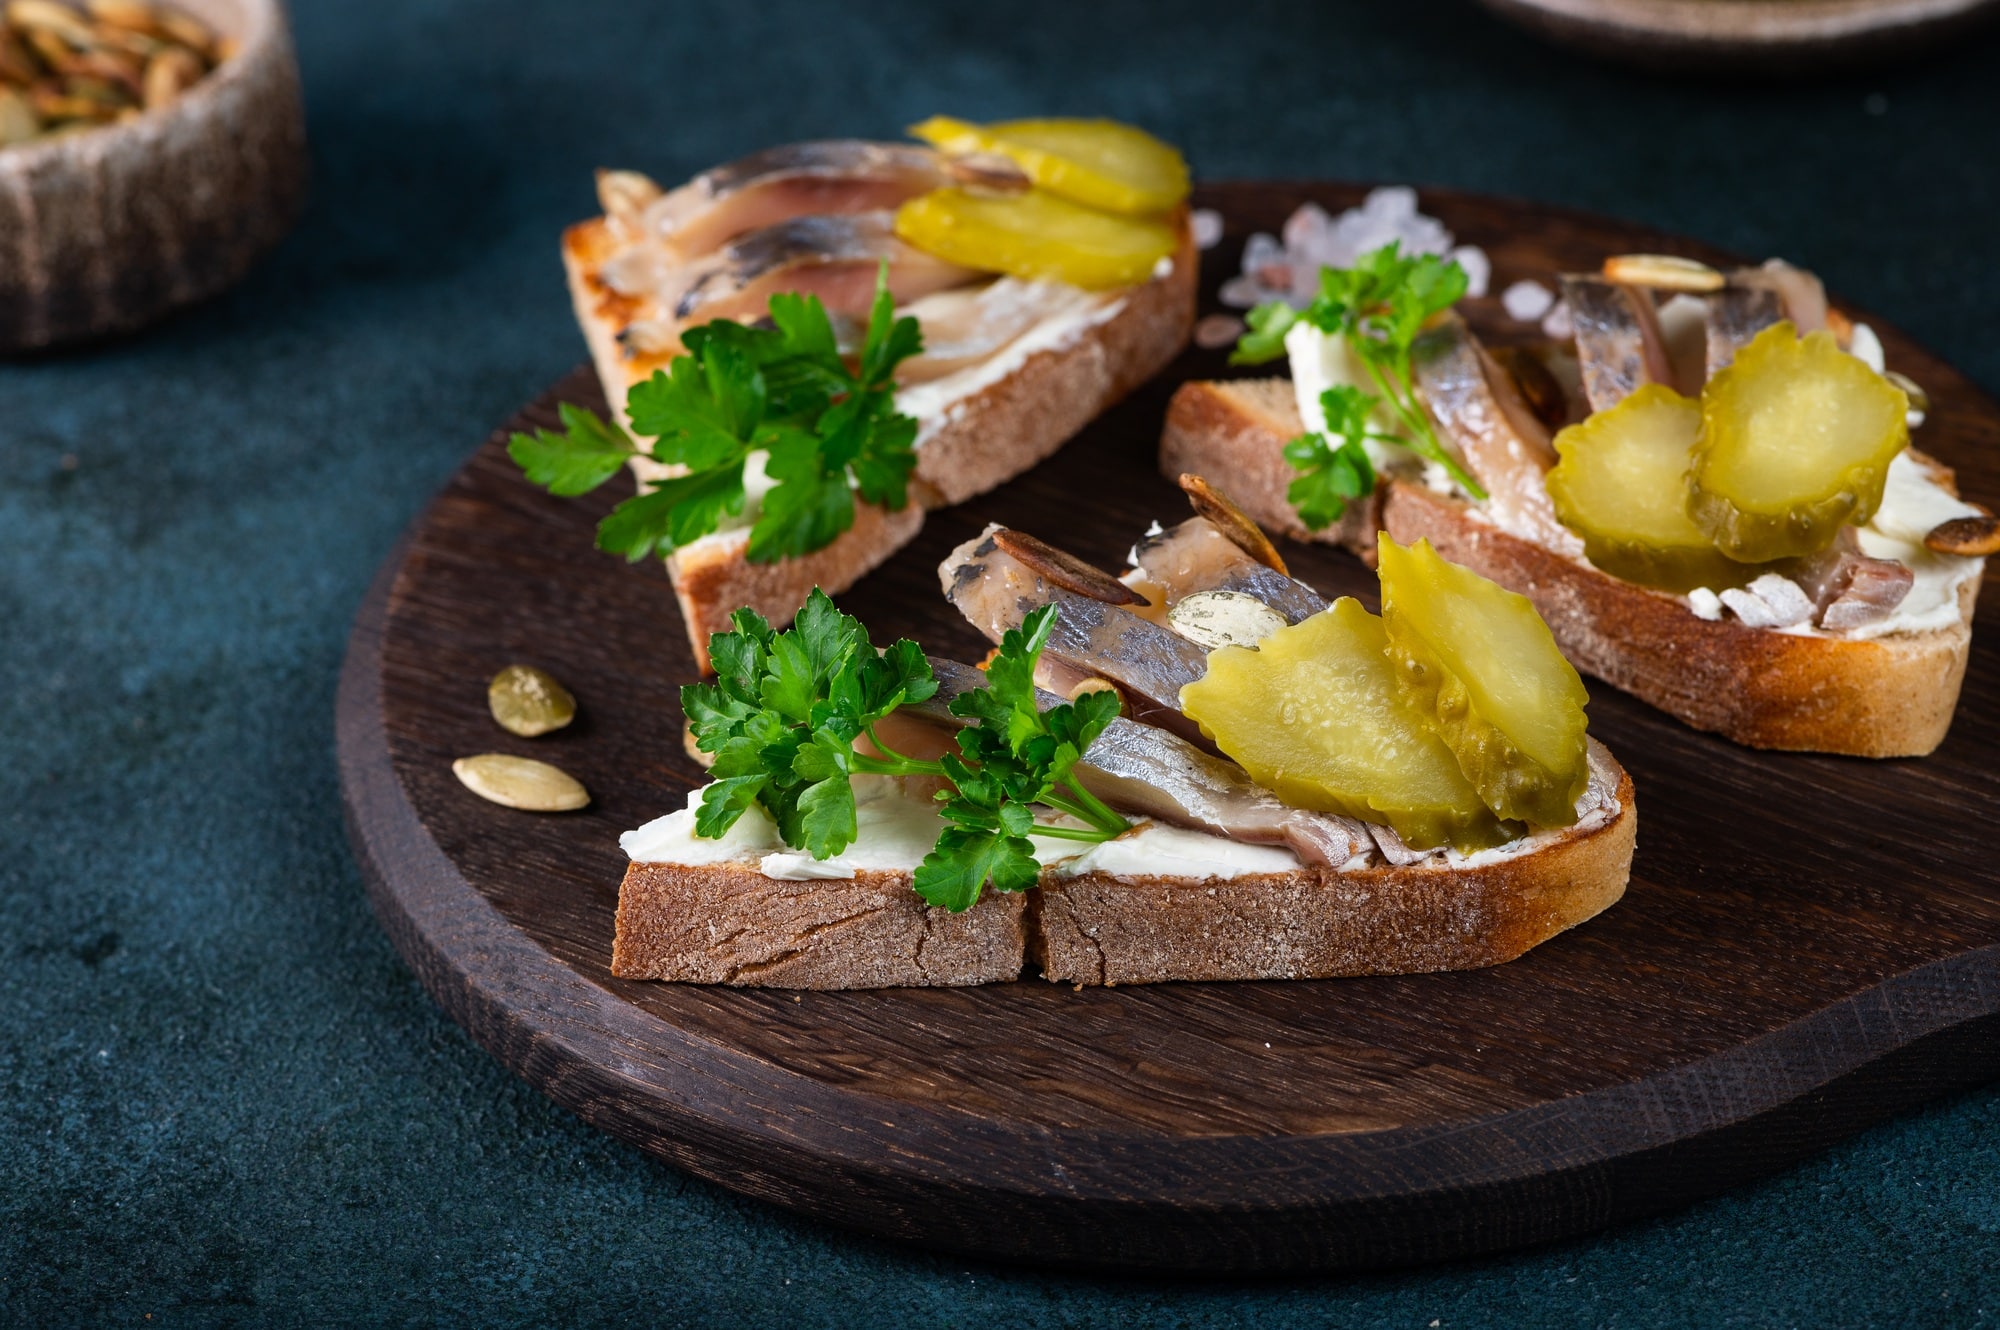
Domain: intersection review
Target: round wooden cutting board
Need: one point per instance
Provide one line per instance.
(1809, 944)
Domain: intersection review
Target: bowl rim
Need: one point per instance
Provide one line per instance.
(263, 36)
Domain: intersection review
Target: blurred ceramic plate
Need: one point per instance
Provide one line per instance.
(1746, 36)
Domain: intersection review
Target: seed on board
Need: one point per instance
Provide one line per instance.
(521, 782)
(1663, 272)
(529, 701)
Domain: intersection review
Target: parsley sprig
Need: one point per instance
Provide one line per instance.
(828, 431)
(1334, 467)
(1379, 306)
(786, 710)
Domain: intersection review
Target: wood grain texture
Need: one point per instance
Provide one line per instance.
(104, 231)
(1747, 37)
(1809, 944)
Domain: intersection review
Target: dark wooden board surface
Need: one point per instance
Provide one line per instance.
(1809, 944)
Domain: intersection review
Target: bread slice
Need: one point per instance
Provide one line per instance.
(1323, 923)
(1889, 696)
(974, 443)
(728, 923)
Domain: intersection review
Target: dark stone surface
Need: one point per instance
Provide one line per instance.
(222, 1100)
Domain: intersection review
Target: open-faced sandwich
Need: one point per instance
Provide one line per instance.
(1704, 485)
(810, 346)
(1200, 771)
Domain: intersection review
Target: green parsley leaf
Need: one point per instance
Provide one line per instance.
(1379, 306)
(1335, 466)
(786, 709)
(826, 431)
(783, 713)
(1265, 341)
(588, 452)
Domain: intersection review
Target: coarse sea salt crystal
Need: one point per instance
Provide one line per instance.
(1527, 301)
(1557, 322)
(1207, 226)
(1478, 268)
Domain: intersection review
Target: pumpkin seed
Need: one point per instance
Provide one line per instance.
(528, 701)
(75, 66)
(520, 782)
(18, 121)
(1663, 272)
(1968, 537)
(169, 74)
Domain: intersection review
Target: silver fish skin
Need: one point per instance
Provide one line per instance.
(1145, 770)
(1732, 317)
(825, 177)
(1618, 339)
(1799, 292)
(1196, 556)
(1151, 664)
(833, 257)
(1482, 416)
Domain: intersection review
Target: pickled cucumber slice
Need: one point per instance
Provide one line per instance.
(1098, 163)
(1314, 715)
(1621, 484)
(1479, 661)
(1036, 236)
(1795, 441)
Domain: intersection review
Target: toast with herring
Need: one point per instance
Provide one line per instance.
(1857, 648)
(1202, 873)
(1013, 366)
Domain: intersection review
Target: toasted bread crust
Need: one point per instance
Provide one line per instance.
(1890, 696)
(986, 439)
(729, 924)
(1319, 923)
(713, 578)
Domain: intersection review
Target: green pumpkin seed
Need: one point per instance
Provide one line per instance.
(521, 782)
(527, 701)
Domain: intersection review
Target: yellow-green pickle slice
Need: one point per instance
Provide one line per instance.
(1314, 715)
(1620, 482)
(1479, 661)
(1098, 163)
(1036, 236)
(1795, 443)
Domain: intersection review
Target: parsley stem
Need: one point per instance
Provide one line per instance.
(1091, 834)
(1423, 438)
(893, 763)
(1100, 813)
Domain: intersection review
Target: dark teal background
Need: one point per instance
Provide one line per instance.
(224, 1100)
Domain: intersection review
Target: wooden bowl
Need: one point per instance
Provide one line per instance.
(1746, 36)
(106, 230)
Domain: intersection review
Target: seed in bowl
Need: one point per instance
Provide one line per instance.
(65, 68)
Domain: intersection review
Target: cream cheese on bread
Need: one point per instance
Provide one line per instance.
(897, 828)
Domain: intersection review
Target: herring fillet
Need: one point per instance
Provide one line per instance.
(1146, 770)
(1732, 317)
(1195, 556)
(823, 177)
(1501, 442)
(1618, 340)
(996, 592)
(833, 257)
